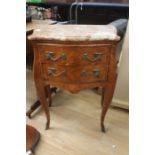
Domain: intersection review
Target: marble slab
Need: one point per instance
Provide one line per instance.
(75, 33)
(36, 24)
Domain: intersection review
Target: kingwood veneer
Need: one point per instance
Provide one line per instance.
(75, 57)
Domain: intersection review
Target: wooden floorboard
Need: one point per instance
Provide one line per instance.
(75, 125)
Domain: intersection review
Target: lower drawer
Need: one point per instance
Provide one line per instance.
(74, 74)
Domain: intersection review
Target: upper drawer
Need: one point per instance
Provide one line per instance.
(74, 55)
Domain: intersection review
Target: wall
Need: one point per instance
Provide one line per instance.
(121, 95)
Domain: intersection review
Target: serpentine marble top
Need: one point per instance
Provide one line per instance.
(36, 24)
(75, 33)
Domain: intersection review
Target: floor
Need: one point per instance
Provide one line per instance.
(75, 125)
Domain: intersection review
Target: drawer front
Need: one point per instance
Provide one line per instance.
(74, 55)
(55, 73)
(93, 73)
(75, 74)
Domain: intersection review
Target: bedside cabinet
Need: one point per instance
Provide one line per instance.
(73, 58)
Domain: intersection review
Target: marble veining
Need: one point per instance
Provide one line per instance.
(36, 24)
(75, 33)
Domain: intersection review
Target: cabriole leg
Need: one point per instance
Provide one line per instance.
(107, 95)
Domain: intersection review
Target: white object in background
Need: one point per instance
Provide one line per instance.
(121, 94)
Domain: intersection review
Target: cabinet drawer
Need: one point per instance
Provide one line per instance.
(55, 73)
(74, 55)
(75, 74)
(93, 73)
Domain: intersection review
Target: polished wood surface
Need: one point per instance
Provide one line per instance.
(75, 65)
(32, 139)
(30, 27)
(75, 126)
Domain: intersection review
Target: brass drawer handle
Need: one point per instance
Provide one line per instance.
(97, 56)
(51, 56)
(96, 72)
(84, 73)
(51, 71)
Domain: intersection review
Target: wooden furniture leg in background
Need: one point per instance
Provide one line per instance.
(33, 107)
(107, 95)
(37, 104)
